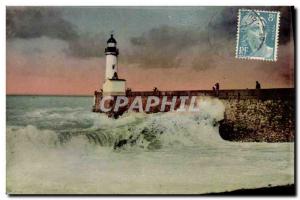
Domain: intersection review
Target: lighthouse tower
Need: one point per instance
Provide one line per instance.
(113, 85)
(111, 52)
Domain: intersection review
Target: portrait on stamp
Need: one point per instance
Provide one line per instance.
(257, 34)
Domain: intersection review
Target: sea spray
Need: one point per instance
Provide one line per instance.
(68, 149)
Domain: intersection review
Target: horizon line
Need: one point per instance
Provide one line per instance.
(88, 95)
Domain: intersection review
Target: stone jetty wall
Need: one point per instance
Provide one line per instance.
(263, 115)
(254, 120)
(260, 116)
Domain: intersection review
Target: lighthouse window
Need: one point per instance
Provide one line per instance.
(113, 66)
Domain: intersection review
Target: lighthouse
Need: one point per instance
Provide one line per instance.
(113, 85)
(111, 52)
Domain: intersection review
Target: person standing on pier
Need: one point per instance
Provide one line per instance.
(216, 89)
(257, 85)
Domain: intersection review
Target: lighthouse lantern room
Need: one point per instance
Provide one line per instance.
(113, 85)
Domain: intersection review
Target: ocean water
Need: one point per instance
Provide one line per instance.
(56, 145)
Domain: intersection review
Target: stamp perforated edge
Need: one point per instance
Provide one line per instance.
(276, 36)
(238, 34)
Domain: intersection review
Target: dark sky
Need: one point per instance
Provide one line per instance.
(59, 50)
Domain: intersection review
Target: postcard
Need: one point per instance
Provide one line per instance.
(150, 100)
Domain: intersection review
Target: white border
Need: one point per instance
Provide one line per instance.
(5, 3)
(276, 36)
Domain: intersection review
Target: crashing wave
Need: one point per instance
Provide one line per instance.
(146, 131)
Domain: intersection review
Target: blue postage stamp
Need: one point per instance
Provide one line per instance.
(257, 34)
